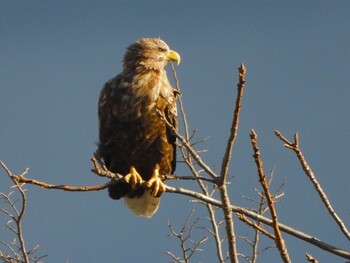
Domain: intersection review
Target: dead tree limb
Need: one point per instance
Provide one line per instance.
(287, 229)
(294, 146)
(281, 246)
(222, 182)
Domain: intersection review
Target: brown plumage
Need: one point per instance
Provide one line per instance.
(132, 136)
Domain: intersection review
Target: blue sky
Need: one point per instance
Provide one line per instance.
(56, 55)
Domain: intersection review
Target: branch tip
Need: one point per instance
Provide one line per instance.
(242, 70)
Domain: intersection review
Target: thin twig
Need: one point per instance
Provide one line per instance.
(234, 127)
(20, 214)
(230, 232)
(181, 106)
(100, 169)
(188, 246)
(188, 160)
(188, 147)
(211, 211)
(262, 179)
(19, 221)
(259, 225)
(200, 180)
(68, 188)
(310, 258)
(178, 177)
(255, 226)
(294, 146)
(215, 232)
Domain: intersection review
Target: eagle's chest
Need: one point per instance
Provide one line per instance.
(137, 125)
(152, 91)
(141, 97)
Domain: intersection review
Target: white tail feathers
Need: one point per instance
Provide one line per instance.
(145, 205)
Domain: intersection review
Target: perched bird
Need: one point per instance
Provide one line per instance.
(133, 140)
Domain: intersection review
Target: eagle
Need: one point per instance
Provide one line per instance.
(133, 140)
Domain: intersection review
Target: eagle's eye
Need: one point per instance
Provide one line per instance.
(160, 49)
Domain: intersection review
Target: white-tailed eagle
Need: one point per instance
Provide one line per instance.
(133, 140)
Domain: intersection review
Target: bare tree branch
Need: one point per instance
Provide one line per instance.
(188, 147)
(192, 178)
(181, 106)
(287, 229)
(18, 252)
(258, 226)
(262, 179)
(19, 214)
(310, 258)
(188, 246)
(68, 188)
(294, 146)
(255, 226)
(232, 247)
(211, 210)
(234, 127)
(186, 156)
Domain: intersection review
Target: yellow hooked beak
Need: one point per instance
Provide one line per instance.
(173, 56)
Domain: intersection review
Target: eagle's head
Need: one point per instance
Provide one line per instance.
(150, 53)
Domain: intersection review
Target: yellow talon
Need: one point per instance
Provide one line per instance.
(155, 184)
(133, 178)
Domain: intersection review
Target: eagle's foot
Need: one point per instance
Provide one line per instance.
(155, 183)
(133, 178)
